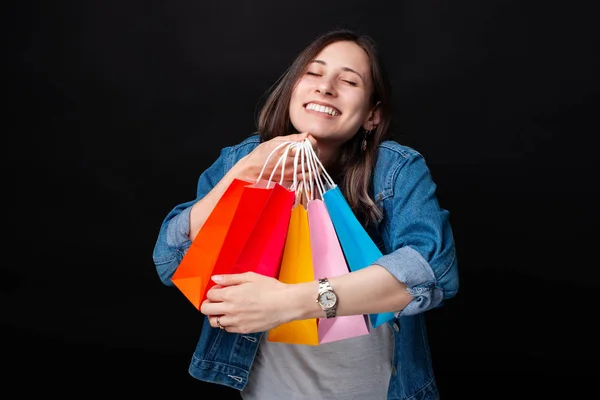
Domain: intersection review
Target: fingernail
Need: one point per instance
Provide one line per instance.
(217, 278)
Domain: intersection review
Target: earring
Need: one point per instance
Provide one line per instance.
(363, 145)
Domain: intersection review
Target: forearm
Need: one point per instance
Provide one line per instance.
(370, 290)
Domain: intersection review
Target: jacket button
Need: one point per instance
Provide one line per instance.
(396, 327)
(393, 370)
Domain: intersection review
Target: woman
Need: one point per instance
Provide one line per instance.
(337, 95)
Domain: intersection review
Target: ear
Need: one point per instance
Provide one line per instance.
(373, 118)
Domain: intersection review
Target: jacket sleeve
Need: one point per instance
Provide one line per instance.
(418, 238)
(173, 237)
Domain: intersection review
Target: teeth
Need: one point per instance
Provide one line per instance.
(323, 109)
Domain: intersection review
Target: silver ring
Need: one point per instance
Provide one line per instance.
(219, 323)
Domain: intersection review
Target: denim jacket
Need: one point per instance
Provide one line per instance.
(414, 236)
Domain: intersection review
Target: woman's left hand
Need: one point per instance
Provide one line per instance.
(245, 303)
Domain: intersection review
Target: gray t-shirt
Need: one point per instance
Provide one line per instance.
(358, 368)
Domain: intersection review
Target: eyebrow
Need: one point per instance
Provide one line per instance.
(343, 68)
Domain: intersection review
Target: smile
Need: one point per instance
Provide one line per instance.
(323, 109)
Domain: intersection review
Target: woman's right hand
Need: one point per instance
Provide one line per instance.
(249, 167)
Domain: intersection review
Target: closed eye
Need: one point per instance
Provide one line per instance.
(349, 82)
(312, 73)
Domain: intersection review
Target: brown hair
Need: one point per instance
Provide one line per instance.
(354, 179)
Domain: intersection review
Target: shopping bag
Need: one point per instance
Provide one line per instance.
(329, 261)
(358, 247)
(195, 269)
(263, 249)
(256, 235)
(297, 267)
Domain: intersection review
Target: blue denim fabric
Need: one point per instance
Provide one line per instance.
(414, 236)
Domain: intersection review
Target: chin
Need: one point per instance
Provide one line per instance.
(318, 133)
(328, 137)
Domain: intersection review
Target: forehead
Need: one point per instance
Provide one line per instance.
(345, 54)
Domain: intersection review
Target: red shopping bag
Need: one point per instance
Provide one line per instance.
(256, 235)
(251, 204)
(262, 251)
(297, 267)
(193, 273)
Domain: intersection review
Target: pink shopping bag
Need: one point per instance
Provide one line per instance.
(328, 259)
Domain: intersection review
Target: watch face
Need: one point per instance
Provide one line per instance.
(327, 299)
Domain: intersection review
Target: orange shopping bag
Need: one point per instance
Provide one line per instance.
(196, 267)
(297, 267)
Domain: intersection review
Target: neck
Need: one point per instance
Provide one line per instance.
(327, 157)
(327, 152)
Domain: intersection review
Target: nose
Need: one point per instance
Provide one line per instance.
(325, 88)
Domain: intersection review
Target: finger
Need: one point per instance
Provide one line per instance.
(205, 308)
(298, 176)
(216, 321)
(219, 322)
(214, 294)
(313, 143)
(302, 178)
(209, 307)
(233, 279)
(291, 168)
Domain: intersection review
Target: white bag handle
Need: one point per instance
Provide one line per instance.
(281, 160)
(306, 165)
(313, 167)
(323, 172)
(298, 187)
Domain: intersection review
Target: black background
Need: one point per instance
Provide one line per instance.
(113, 109)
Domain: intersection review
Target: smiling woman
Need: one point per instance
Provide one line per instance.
(331, 101)
(343, 71)
(335, 95)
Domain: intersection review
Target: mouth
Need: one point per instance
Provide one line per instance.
(333, 112)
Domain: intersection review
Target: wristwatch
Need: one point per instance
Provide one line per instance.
(327, 298)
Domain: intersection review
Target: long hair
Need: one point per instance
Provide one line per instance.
(355, 178)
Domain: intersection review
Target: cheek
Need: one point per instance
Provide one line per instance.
(359, 100)
(294, 106)
(361, 107)
(295, 98)
(294, 109)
